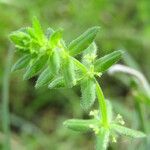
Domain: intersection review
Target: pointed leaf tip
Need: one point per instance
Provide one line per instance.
(128, 132)
(105, 62)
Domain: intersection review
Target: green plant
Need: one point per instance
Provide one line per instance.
(49, 55)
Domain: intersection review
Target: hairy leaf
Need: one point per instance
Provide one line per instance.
(88, 93)
(49, 32)
(21, 63)
(54, 61)
(102, 139)
(102, 64)
(55, 38)
(57, 83)
(83, 41)
(79, 124)
(21, 40)
(89, 55)
(69, 72)
(128, 132)
(44, 78)
(31, 32)
(37, 29)
(91, 50)
(35, 67)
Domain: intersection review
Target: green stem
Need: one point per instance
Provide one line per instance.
(102, 105)
(5, 102)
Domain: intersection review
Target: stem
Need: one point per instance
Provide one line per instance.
(5, 102)
(102, 105)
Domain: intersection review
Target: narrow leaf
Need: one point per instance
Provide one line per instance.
(57, 83)
(21, 63)
(79, 124)
(55, 37)
(54, 61)
(49, 32)
(44, 78)
(35, 67)
(128, 132)
(91, 50)
(102, 139)
(20, 39)
(88, 93)
(89, 55)
(83, 41)
(69, 72)
(37, 29)
(102, 64)
(31, 32)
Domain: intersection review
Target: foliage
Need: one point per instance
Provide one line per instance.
(55, 61)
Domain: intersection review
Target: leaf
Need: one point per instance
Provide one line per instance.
(44, 78)
(21, 63)
(35, 67)
(102, 64)
(54, 61)
(31, 32)
(58, 82)
(88, 93)
(128, 132)
(79, 124)
(83, 41)
(49, 32)
(20, 39)
(89, 55)
(55, 38)
(37, 29)
(69, 72)
(102, 139)
(91, 50)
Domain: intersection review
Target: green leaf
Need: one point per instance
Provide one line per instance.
(35, 67)
(55, 38)
(20, 39)
(88, 93)
(83, 41)
(79, 124)
(54, 61)
(57, 83)
(37, 29)
(89, 55)
(44, 78)
(21, 63)
(49, 32)
(91, 50)
(69, 72)
(102, 139)
(31, 32)
(128, 132)
(102, 64)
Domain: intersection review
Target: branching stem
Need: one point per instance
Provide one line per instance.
(102, 105)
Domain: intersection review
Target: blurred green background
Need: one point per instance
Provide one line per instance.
(37, 115)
